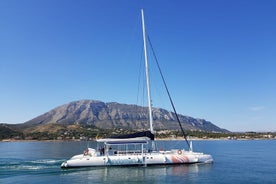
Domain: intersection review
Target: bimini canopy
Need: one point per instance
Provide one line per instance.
(136, 138)
(134, 135)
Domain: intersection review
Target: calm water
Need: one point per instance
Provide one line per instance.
(235, 162)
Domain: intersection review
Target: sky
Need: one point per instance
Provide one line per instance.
(218, 57)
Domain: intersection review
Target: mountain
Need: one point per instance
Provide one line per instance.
(116, 115)
(7, 132)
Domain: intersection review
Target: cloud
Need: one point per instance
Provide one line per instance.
(256, 108)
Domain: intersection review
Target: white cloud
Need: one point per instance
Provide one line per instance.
(256, 108)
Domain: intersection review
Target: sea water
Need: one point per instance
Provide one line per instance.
(235, 161)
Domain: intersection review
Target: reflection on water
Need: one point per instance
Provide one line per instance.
(150, 174)
(184, 169)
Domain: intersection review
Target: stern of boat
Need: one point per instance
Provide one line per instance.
(205, 158)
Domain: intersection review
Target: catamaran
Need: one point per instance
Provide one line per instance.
(137, 149)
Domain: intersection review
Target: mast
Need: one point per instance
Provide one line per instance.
(147, 70)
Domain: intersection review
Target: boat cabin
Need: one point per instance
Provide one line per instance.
(126, 146)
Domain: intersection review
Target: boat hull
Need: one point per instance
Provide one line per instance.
(158, 158)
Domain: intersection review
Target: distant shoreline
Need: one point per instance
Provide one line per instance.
(158, 139)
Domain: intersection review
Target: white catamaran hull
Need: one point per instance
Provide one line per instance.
(154, 158)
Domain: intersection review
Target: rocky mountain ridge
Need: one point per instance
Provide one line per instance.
(116, 115)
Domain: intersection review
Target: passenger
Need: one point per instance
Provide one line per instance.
(102, 151)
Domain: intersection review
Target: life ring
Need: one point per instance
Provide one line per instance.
(179, 152)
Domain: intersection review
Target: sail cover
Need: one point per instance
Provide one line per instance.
(134, 135)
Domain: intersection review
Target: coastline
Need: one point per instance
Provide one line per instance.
(158, 139)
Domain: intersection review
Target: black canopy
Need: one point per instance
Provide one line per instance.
(137, 134)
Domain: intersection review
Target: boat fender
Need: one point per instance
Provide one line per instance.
(179, 152)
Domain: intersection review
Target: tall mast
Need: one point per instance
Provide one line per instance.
(147, 70)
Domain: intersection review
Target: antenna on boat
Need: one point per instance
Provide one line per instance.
(147, 70)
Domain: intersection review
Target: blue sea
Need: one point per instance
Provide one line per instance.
(235, 161)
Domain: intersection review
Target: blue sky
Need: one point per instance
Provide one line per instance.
(218, 57)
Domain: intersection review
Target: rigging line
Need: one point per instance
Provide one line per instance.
(163, 79)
